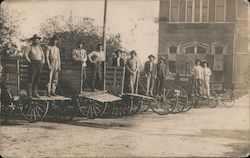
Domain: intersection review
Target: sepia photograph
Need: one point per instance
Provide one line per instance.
(124, 78)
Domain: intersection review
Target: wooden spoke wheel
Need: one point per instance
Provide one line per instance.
(91, 108)
(145, 106)
(34, 110)
(169, 100)
(125, 105)
(212, 102)
(7, 106)
(118, 109)
(190, 104)
(182, 99)
(158, 107)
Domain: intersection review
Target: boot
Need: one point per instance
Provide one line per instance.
(53, 89)
(49, 90)
(34, 93)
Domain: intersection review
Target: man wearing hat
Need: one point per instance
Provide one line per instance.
(54, 65)
(150, 71)
(79, 55)
(35, 56)
(131, 71)
(197, 73)
(118, 60)
(162, 73)
(97, 58)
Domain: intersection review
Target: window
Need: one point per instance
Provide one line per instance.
(174, 10)
(195, 48)
(220, 10)
(219, 49)
(173, 49)
(182, 11)
(218, 75)
(197, 11)
(172, 66)
(204, 16)
(189, 11)
(189, 50)
(201, 50)
(242, 9)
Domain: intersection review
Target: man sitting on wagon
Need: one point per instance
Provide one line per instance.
(54, 65)
(79, 55)
(35, 56)
(97, 58)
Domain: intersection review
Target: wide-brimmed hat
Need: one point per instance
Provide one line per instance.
(80, 42)
(133, 52)
(204, 62)
(117, 51)
(162, 57)
(151, 55)
(54, 38)
(34, 37)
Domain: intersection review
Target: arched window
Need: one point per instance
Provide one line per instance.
(201, 50)
(173, 49)
(219, 49)
(190, 50)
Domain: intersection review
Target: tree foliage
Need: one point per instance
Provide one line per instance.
(9, 28)
(70, 29)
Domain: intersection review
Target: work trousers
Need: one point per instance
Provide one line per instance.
(150, 84)
(198, 87)
(34, 69)
(97, 75)
(53, 76)
(131, 77)
(206, 87)
(160, 84)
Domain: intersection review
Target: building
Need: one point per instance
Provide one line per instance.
(211, 30)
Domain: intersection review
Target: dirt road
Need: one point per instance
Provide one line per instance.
(200, 132)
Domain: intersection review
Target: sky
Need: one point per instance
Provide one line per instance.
(121, 17)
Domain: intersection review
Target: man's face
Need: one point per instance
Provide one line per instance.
(151, 59)
(81, 45)
(119, 54)
(198, 62)
(132, 55)
(36, 41)
(205, 64)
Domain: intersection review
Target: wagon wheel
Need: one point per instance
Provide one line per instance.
(212, 102)
(135, 104)
(91, 108)
(7, 106)
(158, 107)
(66, 110)
(169, 100)
(190, 104)
(145, 106)
(125, 105)
(118, 109)
(227, 99)
(34, 110)
(182, 99)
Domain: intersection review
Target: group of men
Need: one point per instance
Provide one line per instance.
(36, 59)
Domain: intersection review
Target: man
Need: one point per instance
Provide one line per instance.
(35, 56)
(197, 73)
(207, 73)
(162, 73)
(150, 70)
(54, 65)
(97, 58)
(118, 60)
(79, 55)
(131, 71)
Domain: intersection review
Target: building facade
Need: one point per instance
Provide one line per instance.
(215, 31)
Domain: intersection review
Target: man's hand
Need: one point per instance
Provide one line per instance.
(43, 61)
(50, 68)
(59, 69)
(146, 75)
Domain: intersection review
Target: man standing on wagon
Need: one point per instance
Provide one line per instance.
(150, 70)
(54, 65)
(97, 58)
(162, 73)
(79, 55)
(118, 60)
(35, 56)
(131, 71)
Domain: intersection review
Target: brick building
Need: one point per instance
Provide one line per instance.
(212, 30)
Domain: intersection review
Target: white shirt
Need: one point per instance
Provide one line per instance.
(207, 73)
(197, 72)
(97, 56)
(118, 61)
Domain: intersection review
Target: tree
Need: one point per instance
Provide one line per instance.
(71, 29)
(9, 28)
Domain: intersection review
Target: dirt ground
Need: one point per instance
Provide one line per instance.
(216, 132)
